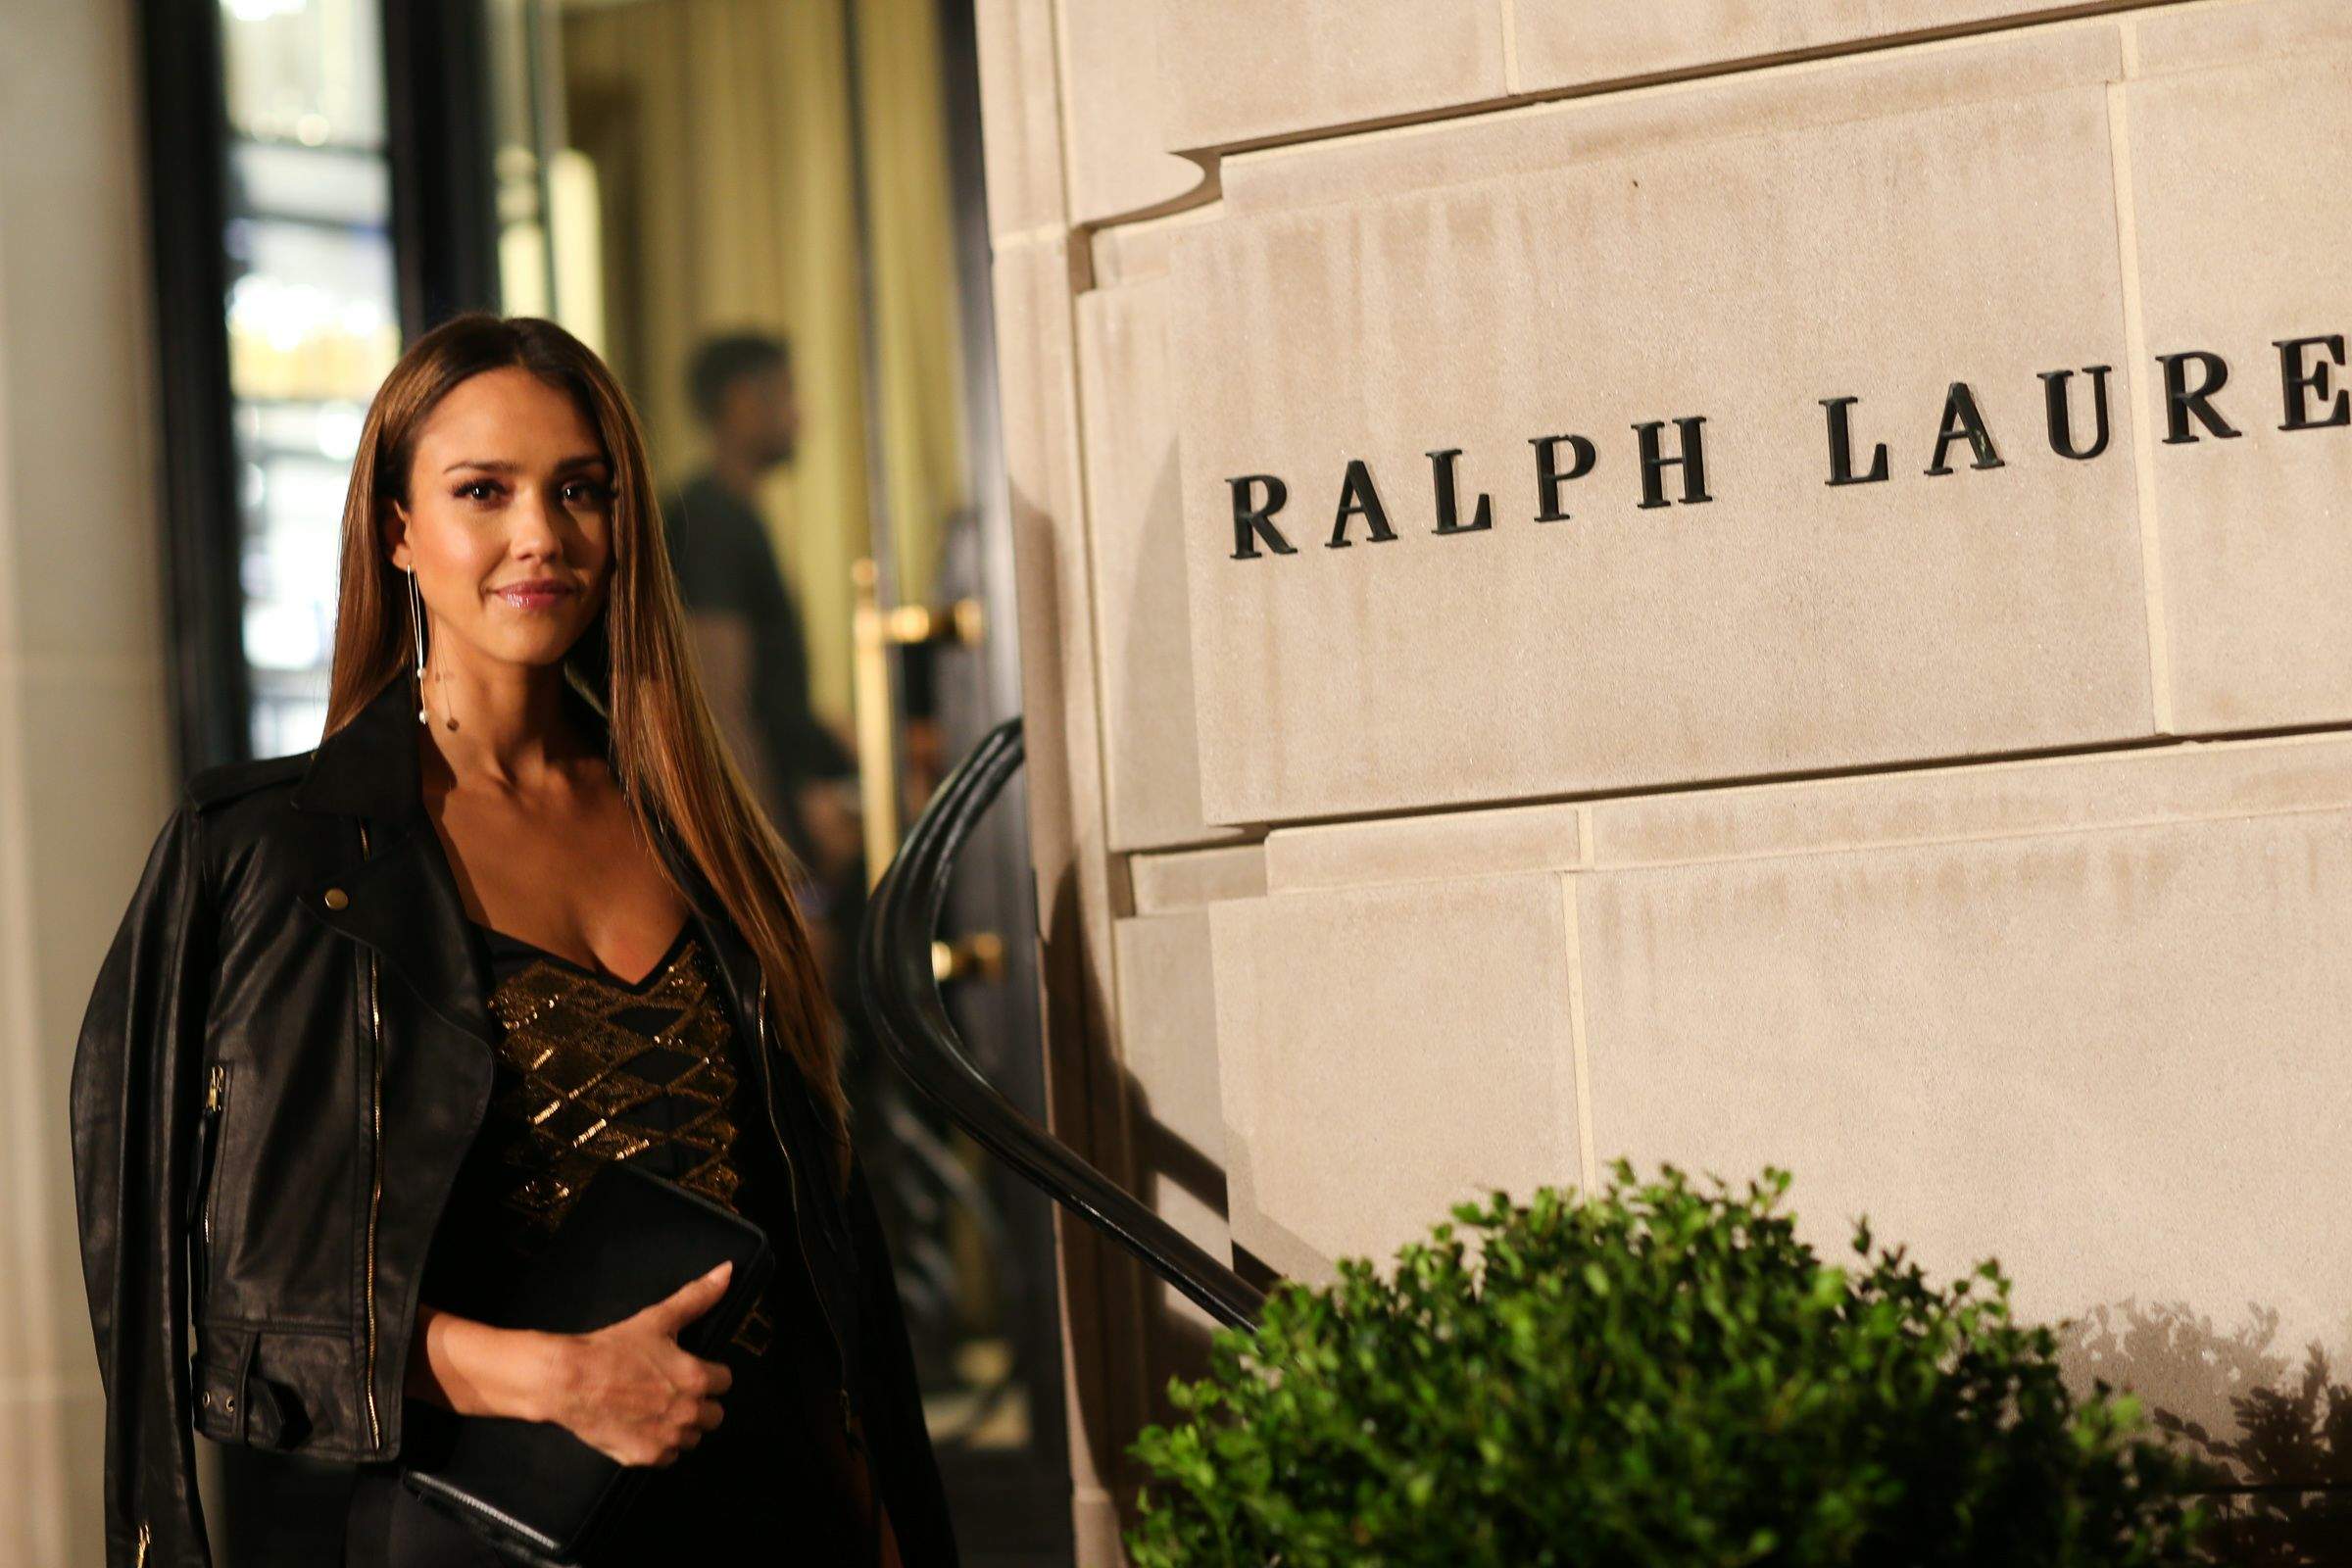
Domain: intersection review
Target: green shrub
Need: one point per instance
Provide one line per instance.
(1663, 1375)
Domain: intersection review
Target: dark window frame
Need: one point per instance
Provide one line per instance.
(445, 249)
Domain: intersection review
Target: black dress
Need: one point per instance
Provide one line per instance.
(593, 1069)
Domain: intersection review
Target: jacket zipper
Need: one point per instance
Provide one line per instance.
(216, 1106)
(375, 1188)
(800, 1231)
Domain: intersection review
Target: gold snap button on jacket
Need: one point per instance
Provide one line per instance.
(336, 897)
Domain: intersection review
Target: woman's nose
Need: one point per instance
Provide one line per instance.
(538, 526)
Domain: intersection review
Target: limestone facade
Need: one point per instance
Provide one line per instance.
(1489, 714)
(88, 769)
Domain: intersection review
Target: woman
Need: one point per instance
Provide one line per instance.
(378, 1010)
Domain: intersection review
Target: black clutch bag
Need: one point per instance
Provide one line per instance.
(630, 1239)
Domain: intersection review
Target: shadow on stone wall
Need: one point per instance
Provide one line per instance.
(2275, 1438)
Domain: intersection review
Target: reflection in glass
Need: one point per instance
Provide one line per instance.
(306, 72)
(313, 315)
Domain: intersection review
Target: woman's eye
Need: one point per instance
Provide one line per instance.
(591, 492)
(466, 491)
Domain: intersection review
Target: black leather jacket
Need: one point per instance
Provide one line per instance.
(284, 1059)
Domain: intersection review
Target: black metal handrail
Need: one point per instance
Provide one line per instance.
(905, 1009)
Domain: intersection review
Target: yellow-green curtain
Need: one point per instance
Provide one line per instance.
(721, 131)
(919, 347)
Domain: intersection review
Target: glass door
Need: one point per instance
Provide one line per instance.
(767, 216)
(684, 184)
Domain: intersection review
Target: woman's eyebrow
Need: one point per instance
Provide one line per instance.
(584, 459)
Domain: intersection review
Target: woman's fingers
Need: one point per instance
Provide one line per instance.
(691, 1374)
(689, 1300)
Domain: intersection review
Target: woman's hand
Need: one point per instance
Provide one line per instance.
(628, 1391)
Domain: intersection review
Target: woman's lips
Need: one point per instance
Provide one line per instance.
(536, 595)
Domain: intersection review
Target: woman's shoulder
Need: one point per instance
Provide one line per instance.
(228, 819)
(238, 809)
(216, 786)
(253, 850)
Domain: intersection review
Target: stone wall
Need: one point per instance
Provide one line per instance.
(1695, 581)
(87, 765)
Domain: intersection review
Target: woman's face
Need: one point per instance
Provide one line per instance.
(508, 521)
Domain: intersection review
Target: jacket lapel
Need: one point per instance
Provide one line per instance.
(739, 966)
(402, 901)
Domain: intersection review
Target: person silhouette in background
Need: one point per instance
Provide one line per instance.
(746, 625)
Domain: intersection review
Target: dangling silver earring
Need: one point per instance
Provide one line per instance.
(417, 624)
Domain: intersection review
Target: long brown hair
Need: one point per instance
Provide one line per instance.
(631, 662)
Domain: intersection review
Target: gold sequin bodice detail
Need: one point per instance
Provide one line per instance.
(593, 1069)
(583, 1082)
